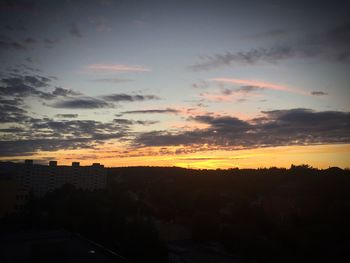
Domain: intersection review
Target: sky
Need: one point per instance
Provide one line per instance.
(198, 84)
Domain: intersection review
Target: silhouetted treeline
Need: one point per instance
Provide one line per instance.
(271, 215)
(299, 214)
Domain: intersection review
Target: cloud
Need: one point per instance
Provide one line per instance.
(249, 88)
(332, 44)
(65, 92)
(221, 123)
(27, 44)
(30, 40)
(25, 86)
(50, 43)
(255, 84)
(132, 122)
(275, 128)
(66, 116)
(146, 123)
(81, 103)
(12, 130)
(19, 86)
(31, 146)
(251, 57)
(129, 98)
(11, 111)
(112, 80)
(21, 70)
(242, 89)
(117, 68)
(12, 45)
(319, 93)
(123, 121)
(100, 23)
(72, 128)
(153, 111)
(14, 102)
(74, 30)
(34, 80)
(52, 135)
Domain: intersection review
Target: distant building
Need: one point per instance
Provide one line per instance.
(13, 196)
(41, 179)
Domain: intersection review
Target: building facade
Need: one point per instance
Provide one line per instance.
(13, 197)
(41, 179)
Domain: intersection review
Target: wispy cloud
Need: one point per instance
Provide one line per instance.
(249, 57)
(319, 93)
(66, 116)
(132, 122)
(117, 68)
(228, 95)
(152, 111)
(50, 43)
(9, 44)
(81, 103)
(331, 45)
(65, 92)
(255, 83)
(129, 98)
(74, 30)
(100, 23)
(112, 80)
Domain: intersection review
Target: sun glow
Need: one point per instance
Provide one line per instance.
(319, 156)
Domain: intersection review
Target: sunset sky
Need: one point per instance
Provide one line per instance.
(200, 84)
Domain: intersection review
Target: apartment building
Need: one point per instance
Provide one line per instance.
(41, 179)
(13, 197)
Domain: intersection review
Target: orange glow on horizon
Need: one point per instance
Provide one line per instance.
(319, 156)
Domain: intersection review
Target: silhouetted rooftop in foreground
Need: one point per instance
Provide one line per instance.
(190, 251)
(53, 246)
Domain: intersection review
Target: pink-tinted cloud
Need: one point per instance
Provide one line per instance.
(214, 97)
(117, 68)
(224, 97)
(257, 83)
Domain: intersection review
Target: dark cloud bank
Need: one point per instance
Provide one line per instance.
(275, 128)
(22, 134)
(32, 135)
(17, 86)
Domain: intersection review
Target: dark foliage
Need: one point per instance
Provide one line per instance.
(299, 214)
